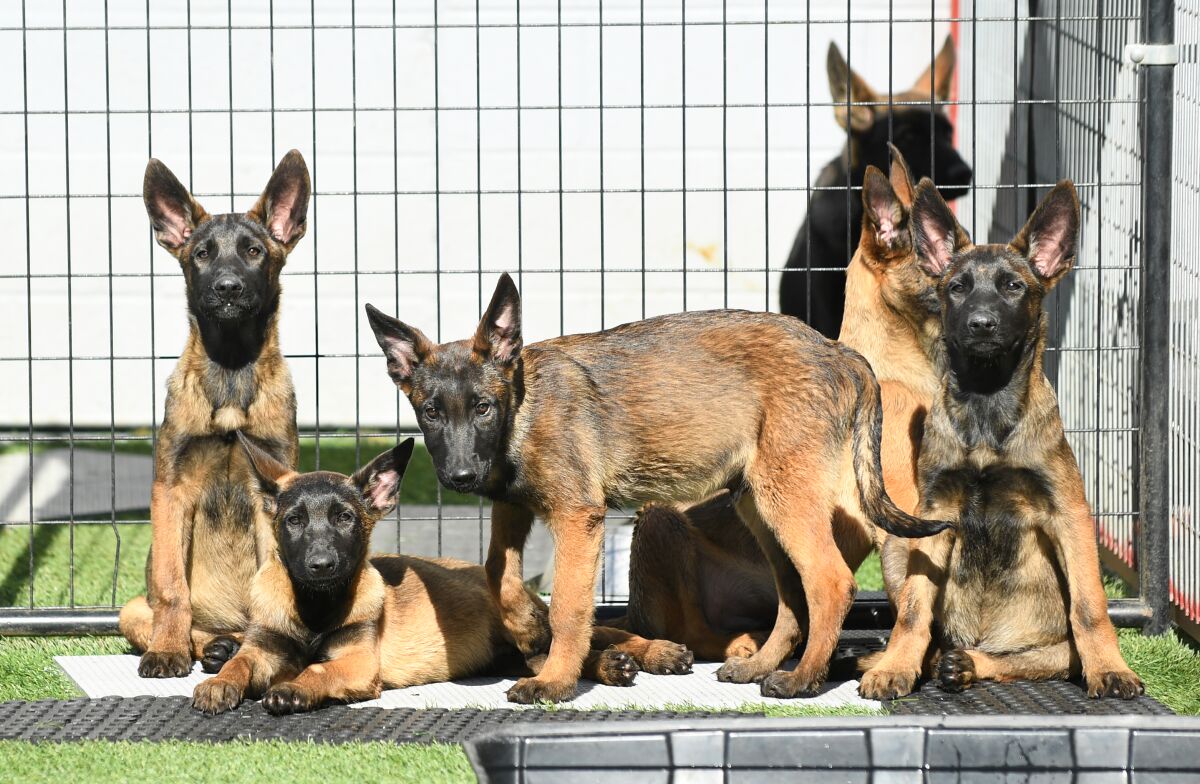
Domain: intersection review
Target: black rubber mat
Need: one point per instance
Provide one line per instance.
(1021, 698)
(173, 718)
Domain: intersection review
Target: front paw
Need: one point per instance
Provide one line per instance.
(880, 684)
(284, 698)
(530, 691)
(664, 657)
(738, 669)
(1115, 683)
(955, 670)
(215, 696)
(217, 652)
(616, 668)
(165, 664)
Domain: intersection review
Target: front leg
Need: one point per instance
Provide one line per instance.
(523, 618)
(350, 674)
(895, 672)
(169, 652)
(1104, 669)
(577, 534)
(265, 657)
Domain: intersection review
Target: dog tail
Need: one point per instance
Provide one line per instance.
(876, 504)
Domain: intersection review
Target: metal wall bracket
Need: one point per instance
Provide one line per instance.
(1152, 54)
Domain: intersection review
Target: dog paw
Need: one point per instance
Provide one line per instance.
(737, 669)
(664, 657)
(217, 652)
(955, 670)
(616, 668)
(784, 685)
(165, 664)
(745, 645)
(530, 691)
(284, 698)
(880, 684)
(1115, 683)
(530, 631)
(215, 696)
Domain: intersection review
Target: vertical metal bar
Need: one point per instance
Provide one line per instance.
(112, 371)
(437, 212)
(271, 42)
(150, 255)
(28, 288)
(396, 229)
(520, 196)
(561, 272)
(478, 214)
(683, 135)
(1154, 416)
(600, 114)
(766, 156)
(229, 52)
(725, 154)
(70, 316)
(354, 229)
(642, 139)
(316, 321)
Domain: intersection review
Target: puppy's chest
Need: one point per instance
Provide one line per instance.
(998, 507)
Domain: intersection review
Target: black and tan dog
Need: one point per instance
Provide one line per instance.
(924, 136)
(1015, 589)
(207, 522)
(696, 575)
(673, 408)
(329, 624)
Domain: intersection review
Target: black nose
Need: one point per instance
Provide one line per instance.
(227, 287)
(462, 477)
(982, 324)
(959, 174)
(320, 565)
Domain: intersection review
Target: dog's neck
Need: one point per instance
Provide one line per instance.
(322, 609)
(987, 397)
(896, 347)
(234, 344)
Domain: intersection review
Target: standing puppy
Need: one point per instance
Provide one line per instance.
(329, 624)
(672, 408)
(697, 575)
(1015, 588)
(208, 527)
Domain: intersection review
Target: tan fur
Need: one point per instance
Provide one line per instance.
(693, 577)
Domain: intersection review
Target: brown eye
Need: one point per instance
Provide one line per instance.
(482, 409)
(346, 517)
(431, 412)
(253, 251)
(292, 520)
(202, 253)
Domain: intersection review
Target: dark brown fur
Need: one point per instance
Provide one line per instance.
(208, 529)
(1015, 589)
(401, 620)
(628, 415)
(696, 575)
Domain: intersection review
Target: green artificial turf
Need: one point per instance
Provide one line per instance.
(295, 763)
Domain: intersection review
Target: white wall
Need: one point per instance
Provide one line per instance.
(395, 150)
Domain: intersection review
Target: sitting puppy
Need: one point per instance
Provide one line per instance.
(330, 625)
(1015, 588)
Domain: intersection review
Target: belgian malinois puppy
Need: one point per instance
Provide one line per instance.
(570, 426)
(697, 575)
(329, 624)
(926, 139)
(1015, 587)
(208, 528)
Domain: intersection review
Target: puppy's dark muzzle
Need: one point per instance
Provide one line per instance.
(954, 184)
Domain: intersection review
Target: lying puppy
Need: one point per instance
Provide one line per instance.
(330, 625)
(1015, 588)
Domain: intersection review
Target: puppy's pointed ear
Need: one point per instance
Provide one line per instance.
(937, 79)
(272, 475)
(498, 336)
(405, 347)
(885, 218)
(901, 178)
(379, 480)
(283, 206)
(937, 231)
(173, 212)
(845, 85)
(1050, 237)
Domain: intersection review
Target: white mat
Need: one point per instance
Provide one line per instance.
(105, 676)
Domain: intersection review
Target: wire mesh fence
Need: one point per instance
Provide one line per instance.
(621, 160)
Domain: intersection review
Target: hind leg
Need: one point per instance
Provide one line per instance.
(796, 506)
(657, 657)
(959, 668)
(664, 588)
(791, 613)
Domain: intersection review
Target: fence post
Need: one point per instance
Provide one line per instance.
(1154, 488)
